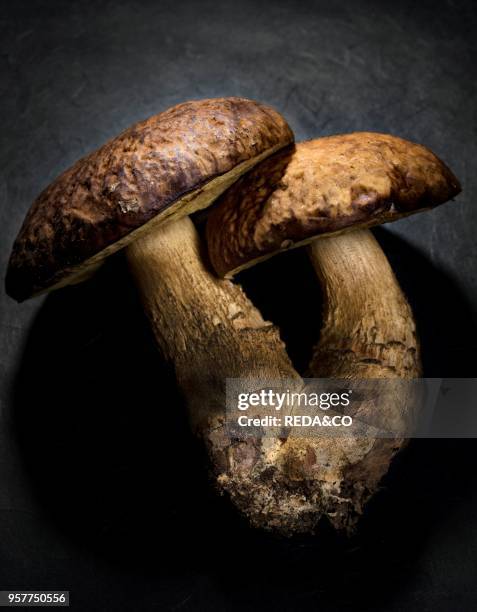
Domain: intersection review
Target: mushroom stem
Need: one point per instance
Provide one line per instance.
(209, 330)
(368, 333)
(368, 329)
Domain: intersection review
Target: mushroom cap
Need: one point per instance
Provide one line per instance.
(321, 187)
(168, 165)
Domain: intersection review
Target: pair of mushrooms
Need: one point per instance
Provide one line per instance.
(137, 192)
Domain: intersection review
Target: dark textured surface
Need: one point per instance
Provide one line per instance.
(323, 186)
(90, 498)
(131, 179)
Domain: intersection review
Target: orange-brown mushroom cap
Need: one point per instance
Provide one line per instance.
(322, 187)
(95, 207)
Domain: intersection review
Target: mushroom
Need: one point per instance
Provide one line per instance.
(326, 193)
(136, 193)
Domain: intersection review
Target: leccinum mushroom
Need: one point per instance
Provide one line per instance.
(315, 193)
(136, 192)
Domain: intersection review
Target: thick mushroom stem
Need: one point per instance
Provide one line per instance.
(368, 329)
(209, 330)
(368, 333)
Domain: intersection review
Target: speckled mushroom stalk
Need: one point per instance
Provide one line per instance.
(209, 330)
(368, 329)
(368, 332)
(315, 194)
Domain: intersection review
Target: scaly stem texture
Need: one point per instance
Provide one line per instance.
(209, 330)
(368, 329)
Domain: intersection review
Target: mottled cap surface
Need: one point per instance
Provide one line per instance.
(132, 179)
(320, 187)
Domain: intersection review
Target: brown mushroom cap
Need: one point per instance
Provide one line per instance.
(157, 168)
(320, 187)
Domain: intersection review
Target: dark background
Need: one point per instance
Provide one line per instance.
(102, 490)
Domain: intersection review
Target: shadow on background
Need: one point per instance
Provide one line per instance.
(105, 441)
